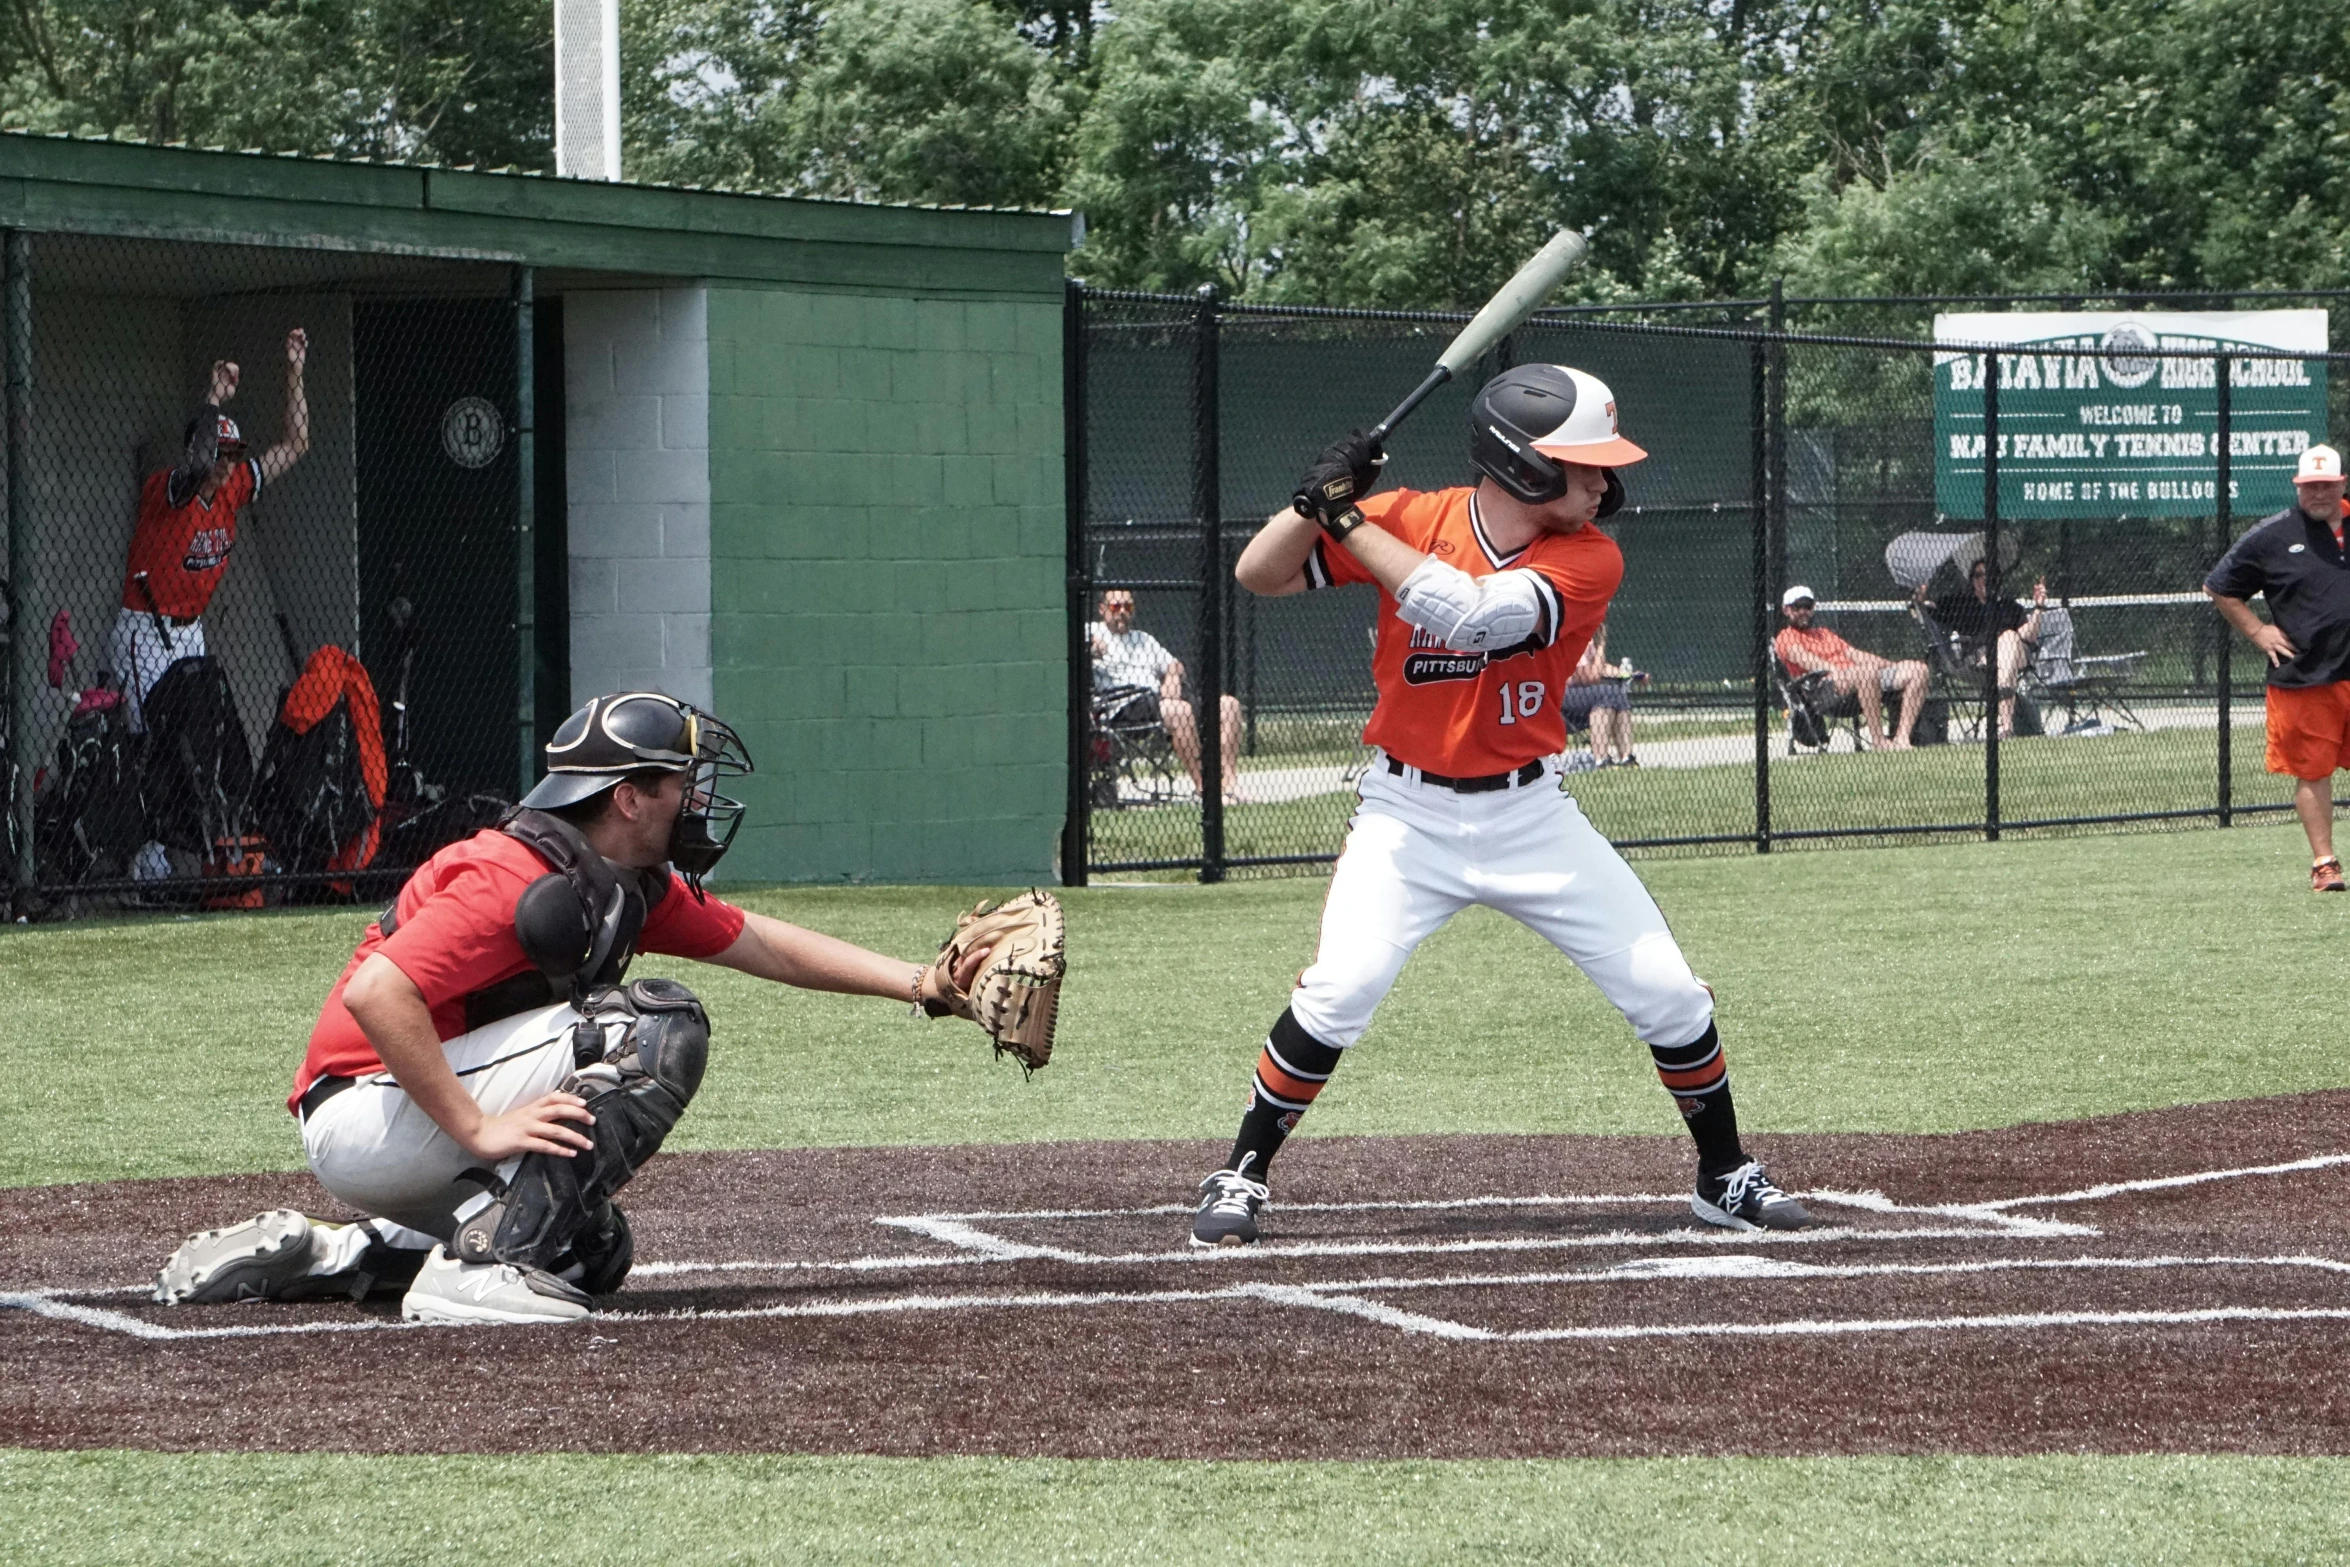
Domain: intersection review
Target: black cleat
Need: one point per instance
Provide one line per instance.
(1745, 1199)
(1229, 1203)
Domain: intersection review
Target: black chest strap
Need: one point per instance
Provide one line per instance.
(578, 925)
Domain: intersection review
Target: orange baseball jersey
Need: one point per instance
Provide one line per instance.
(1464, 715)
(184, 549)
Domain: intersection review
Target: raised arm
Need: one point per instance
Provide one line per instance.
(203, 447)
(295, 440)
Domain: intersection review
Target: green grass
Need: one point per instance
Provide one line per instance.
(107, 1508)
(2040, 777)
(1916, 988)
(1920, 988)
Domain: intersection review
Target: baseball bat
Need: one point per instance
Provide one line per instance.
(1504, 313)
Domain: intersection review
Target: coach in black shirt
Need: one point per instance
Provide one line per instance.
(2297, 561)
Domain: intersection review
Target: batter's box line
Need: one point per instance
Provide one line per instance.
(1348, 1297)
(959, 1229)
(1338, 1295)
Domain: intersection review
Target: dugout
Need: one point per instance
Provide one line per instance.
(796, 460)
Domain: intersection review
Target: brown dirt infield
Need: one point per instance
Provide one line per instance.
(1992, 1297)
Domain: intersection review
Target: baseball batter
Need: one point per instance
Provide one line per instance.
(481, 1082)
(1487, 597)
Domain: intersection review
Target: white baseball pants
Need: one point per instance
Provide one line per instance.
(141, 651)
(1418, 853)
(373, 1147)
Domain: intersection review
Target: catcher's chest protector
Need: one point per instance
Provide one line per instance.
(578, 924)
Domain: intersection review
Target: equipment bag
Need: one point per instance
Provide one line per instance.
(322, 769)
(197, 768)
(86, 817)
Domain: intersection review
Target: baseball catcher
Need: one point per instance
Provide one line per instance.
(484, 1078)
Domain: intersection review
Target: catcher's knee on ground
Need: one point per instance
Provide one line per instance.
(287, 1255)
(641, 1051)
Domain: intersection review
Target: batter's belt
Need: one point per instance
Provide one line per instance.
(1484, 784)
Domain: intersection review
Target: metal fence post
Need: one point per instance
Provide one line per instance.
(2222, 506)
(526, 591)
(1774, 502)
(1076, 828)
(1992, 585)
(1778, 434)
(17, 680)
(1208, 508)
(1759, 526)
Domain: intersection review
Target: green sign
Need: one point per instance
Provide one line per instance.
(2093, 424)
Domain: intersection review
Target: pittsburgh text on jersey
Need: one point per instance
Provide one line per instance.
(1467, 714)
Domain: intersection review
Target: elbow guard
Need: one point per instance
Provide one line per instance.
(1506, 610)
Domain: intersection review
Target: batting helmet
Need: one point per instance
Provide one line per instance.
(1526, 421)
(227, 439)
(630, 732)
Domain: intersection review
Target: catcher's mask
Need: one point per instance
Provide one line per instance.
(639, 731)
(1525, 422)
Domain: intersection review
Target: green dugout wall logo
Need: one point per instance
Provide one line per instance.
(2093, 424)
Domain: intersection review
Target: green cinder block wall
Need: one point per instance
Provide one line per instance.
(886, 569)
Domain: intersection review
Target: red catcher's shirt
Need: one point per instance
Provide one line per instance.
(1465, 715)
(184, 549)
(456, 936)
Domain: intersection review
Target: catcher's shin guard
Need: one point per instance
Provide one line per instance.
(642, 1049)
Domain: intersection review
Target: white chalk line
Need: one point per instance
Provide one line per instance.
(2168, 1182)
(1537, 1200)
(1988, 1220)
(1346, 1296)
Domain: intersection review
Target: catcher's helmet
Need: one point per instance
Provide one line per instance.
(1525, 421)
(631, 732)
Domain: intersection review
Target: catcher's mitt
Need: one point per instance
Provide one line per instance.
(1016, 995)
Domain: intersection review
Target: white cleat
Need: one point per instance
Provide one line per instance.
(249, 1261)
(447, 1290)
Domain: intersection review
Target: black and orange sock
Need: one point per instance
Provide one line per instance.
(1698, 1077)
(1291, 1070)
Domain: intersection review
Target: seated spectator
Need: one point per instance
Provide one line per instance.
(1868, 679)
(1124, 656)
(1596, 697)
(1971, 616)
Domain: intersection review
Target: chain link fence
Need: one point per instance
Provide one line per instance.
(2037, 651)
(270, 599)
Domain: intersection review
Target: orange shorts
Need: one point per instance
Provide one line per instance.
(2309, 729)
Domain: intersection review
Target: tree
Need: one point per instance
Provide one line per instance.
(404, 79)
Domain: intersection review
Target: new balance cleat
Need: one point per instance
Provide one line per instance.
(1746, 1199)
(447, 1290)
(255, 1260)
(1229, 1203)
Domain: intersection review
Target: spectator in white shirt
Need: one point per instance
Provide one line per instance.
(1126, 659)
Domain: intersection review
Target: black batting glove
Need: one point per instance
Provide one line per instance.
(1342, 475)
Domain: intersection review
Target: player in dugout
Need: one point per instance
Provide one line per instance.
(187, 525)
(1487, 596)
(2297, 561)
(480, 1081)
